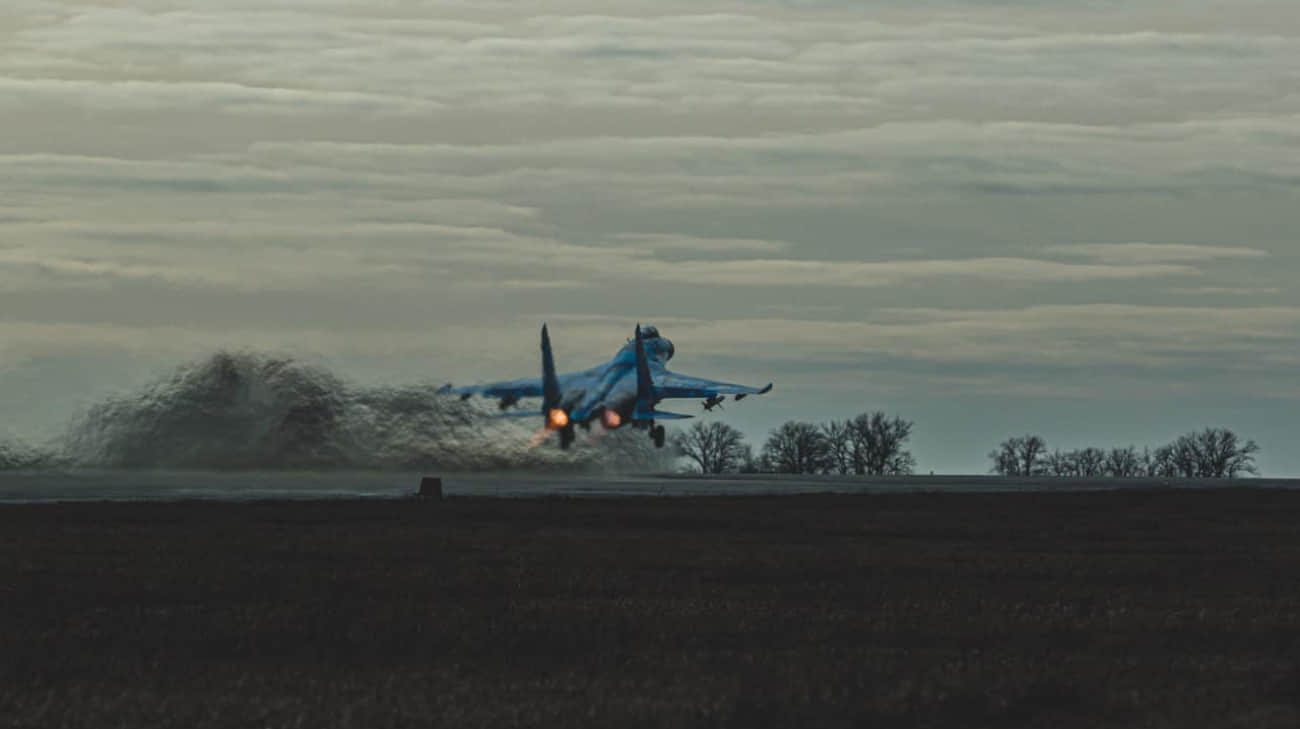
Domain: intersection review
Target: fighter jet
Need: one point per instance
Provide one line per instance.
(623, 391)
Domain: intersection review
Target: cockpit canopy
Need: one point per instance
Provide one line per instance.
(659, 347)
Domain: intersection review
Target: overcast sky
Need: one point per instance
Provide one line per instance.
(989, 217)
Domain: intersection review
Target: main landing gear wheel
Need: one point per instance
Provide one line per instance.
(657, 434)
(567, 436)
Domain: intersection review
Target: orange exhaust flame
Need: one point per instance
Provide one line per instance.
(557, 419)
(538, 438)
(611, 419)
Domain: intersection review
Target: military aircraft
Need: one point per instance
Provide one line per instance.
(623, 391)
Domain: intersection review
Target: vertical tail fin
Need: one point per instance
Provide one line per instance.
(550, 381)
(645, 389)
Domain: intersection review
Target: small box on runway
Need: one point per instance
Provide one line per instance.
(430, 488)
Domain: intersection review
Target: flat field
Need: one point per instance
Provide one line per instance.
(1105, 609)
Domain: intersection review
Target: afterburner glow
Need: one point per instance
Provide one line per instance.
(557, 419)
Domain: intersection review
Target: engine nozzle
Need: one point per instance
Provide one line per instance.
(611, 419)
(556, 419)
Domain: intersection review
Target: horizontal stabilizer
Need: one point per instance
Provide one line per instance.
(660, 415)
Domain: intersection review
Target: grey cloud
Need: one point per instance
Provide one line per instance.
(838, 166)
(695, 244)
(940, 192)
(1223, 291)
(791, 272)
(1078, 336)
(153, 96)
(834, 67)
(1144, 253)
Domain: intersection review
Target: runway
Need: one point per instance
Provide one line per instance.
(59, 486)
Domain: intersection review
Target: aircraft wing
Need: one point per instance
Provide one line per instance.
(671, 384)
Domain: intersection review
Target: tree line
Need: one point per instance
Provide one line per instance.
(869, 444)
(874, 444)
(1208, 453)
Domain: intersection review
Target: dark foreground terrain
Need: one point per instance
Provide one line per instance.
(1160, 609)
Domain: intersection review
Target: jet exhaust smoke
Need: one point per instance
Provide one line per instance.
(246, 410)
(15, 455)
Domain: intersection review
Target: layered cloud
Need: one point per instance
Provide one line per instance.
(969, 185)
(1148, 253)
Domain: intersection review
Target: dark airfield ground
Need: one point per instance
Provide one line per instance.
(1106, 609)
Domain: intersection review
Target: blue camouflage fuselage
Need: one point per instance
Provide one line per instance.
(622, 391)
(588, 394)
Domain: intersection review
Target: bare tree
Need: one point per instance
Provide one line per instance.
(1022, 456)
(1124, 463)
(1147, 463)
(1213, 453)
(1085, 462)
(1004, 460)
(1091, 462)
(1162, 463)
(714, 447)
(840, 446)
(878, 444)
(796, 448)
(1209, 453)
(1058, 463)
(900, 463)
